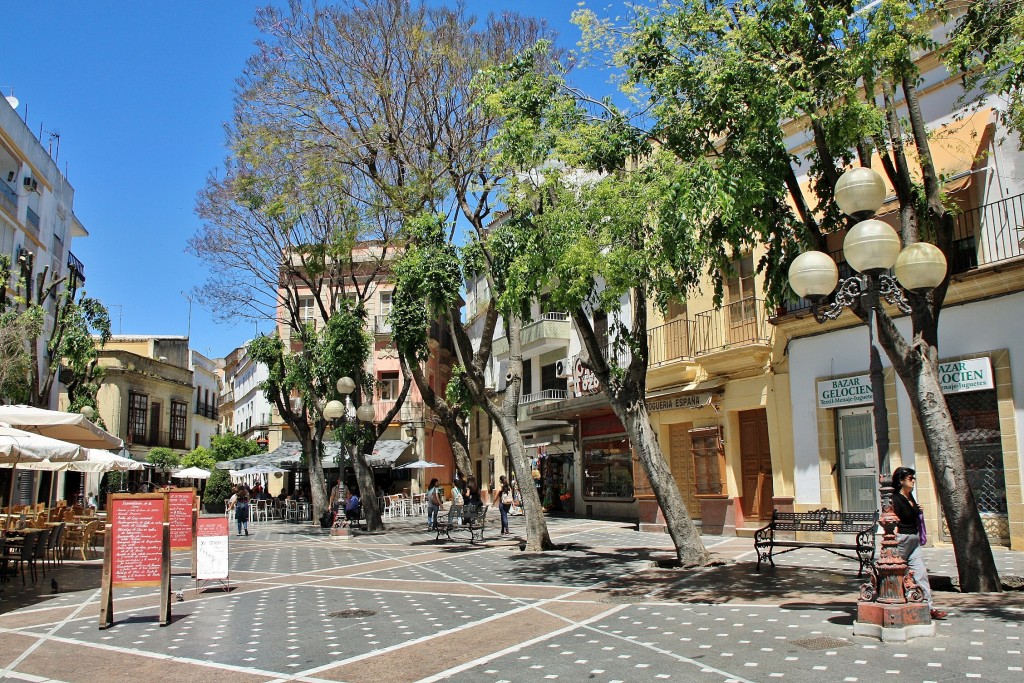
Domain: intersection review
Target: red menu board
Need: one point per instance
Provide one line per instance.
(181, 502)
(137, 539)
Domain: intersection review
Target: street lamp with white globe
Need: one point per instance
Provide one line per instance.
(872, 248)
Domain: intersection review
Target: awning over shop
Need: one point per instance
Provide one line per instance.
(387, 451)
(955, 149)
(689, 388)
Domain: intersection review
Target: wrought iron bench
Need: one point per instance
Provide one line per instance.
(462, 518)
(861, 524)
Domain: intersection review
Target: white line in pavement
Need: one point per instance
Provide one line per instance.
(465, 666)
(41, 639)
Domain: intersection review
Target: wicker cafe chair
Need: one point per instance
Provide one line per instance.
(78, 537)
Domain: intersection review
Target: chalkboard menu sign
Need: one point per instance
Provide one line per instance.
(212, 548)
(137, 539)
(182, 506)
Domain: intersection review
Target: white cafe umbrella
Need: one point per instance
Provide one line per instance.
(418, 465)
(192, 473)
(18, 447)
(74, 428)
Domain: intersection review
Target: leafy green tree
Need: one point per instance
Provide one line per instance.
(724, 85)
(386, 86)
(164, 458)
(231, 446)
(988, 47)
(200, 457)
(34, 355)
(583, 228)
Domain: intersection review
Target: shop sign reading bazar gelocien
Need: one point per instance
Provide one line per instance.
(955, 377)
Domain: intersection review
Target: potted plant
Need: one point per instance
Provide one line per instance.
(218, 489)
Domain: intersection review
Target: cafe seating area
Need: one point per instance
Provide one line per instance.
(36, 538)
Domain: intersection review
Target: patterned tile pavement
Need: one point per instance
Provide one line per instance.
(400, 607)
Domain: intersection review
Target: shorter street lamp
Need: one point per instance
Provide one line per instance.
(891, 600)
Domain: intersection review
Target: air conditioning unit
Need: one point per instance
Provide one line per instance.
(563, 368)
(31, 184)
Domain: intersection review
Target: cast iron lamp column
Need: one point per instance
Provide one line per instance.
(872, 248)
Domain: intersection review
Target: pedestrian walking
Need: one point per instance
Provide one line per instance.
(504, 502)
(434, 501)
(242, 512)
(910, 531)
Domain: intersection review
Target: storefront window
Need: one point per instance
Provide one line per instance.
(608, 468)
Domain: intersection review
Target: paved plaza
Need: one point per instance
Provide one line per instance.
(400, 607)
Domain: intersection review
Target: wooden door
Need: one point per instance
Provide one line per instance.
(756, 464)
(681, 464)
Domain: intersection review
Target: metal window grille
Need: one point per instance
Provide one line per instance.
(976, 418)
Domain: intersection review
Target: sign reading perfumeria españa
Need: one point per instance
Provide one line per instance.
(686, 401)
(955, 377)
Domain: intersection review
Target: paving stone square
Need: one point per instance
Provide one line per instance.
(400, 606)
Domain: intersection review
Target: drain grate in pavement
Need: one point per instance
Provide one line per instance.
(822, 643)
(352, 613)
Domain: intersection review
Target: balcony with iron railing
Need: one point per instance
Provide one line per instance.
(536, 398)
(153, 439)
(720, 339)
(32, 220)
(207, 410)
(548, 332)
(77, 267)
(9, 198)
(984, 237)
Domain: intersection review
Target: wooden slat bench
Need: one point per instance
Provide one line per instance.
(861, 524)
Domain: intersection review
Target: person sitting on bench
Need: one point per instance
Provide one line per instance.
(352, 507)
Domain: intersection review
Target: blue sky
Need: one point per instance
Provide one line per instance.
(139, 91)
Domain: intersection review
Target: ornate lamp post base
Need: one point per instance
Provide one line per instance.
(892, 606)
(893, 623)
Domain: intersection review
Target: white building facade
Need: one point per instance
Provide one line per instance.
(206, 420)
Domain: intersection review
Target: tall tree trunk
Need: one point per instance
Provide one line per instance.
(315, 471)
(506, 418)
(917, 366)
(627, 398)
(367, 486)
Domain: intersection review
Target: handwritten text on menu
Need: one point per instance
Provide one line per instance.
(137, 539)
(212, 548)
(181, 518)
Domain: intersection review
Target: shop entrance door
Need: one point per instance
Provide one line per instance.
(858, 461)
(756, 464)
(681, 464)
